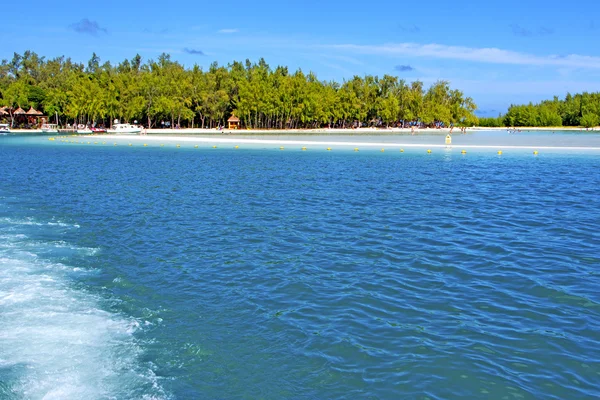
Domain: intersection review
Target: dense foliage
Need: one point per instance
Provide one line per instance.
(260, 96)
(575, 110)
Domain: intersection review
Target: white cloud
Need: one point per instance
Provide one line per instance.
(228, 30)
(482, 55)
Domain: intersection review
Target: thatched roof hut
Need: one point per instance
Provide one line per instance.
(19, 111)
(234, 122)
(32, 111)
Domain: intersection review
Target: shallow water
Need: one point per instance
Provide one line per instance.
(495, 138)
(164, 272)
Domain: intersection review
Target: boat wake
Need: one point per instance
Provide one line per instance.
(56, 341)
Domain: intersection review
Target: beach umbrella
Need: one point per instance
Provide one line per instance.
(19, 111)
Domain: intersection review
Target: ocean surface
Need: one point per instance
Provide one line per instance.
(131, 272)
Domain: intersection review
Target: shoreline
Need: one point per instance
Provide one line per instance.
(234, 141)
(329, 131)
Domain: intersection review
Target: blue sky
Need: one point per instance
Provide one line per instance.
(499, 53)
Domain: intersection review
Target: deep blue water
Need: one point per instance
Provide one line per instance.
(159, 273)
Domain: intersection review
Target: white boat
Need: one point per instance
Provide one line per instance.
(84, 129)
(50, 128)
(4, 129)
(124, 129)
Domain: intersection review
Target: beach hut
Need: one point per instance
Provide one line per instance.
(33, 112)
(34, 116)
(19, 111)
(234, 122)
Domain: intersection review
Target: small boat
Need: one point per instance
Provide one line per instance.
(124, 129)
(98, 130)
(83, 129)
(4, 129)
(50, 128)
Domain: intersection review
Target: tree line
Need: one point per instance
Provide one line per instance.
(575, 110)
(260, 96)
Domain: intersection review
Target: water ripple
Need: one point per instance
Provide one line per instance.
(273, 274)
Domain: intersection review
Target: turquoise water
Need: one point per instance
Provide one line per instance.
(181, 273)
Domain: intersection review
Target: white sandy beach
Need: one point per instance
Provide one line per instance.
(336, 131)
(490, 140)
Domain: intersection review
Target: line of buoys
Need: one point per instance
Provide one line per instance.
(303, 148)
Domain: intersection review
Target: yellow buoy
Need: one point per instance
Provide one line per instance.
(115, 144)
(237, 147)
(401, 150)
(356, 149)
(382, 150)
(463, 152)
(130, 144)
(214, 147)
(178, 146)
(535, 152)
(303, 149)
(499, 152)
(196, 146)
(329, 149)
(162, 145)
(428, 151)
(281, 148)
(145, 145)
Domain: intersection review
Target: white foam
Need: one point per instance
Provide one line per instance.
(56, 342)
(32, 221)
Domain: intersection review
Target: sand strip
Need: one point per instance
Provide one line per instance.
(237, 141)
